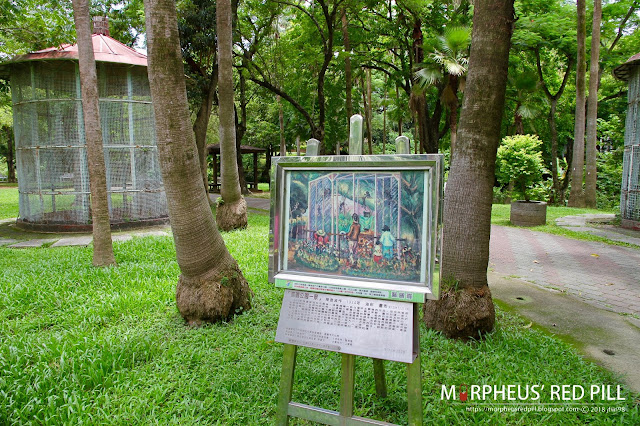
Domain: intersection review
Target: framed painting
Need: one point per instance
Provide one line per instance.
(357, 225)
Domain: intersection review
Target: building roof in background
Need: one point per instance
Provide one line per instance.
(105, 48)
(623, 72)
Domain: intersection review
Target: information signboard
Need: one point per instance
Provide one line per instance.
(380, 329)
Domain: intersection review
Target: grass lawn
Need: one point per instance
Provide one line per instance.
(500, 216)
(8, 201)
(86, 345)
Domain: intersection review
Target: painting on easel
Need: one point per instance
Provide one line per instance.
(359, 224)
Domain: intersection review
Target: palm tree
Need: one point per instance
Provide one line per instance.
(449, 65)
(527, 96)
(232, 210)
(466, 309)
(211, 287)
(102, 245)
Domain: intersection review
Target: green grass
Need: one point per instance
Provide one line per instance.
(86, 345)
(500, 216)
(8, 201)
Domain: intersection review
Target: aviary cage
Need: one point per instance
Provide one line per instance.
(630, 189)
(52, 167)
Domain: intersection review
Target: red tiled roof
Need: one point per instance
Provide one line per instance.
(105, 49)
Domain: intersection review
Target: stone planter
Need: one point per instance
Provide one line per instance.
(528, 213)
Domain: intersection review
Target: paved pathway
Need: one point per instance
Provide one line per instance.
(603, 275)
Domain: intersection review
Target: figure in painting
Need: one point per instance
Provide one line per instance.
(354, 234)
(377, 253)
(387, 240)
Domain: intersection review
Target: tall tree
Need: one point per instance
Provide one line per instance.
(576, 197)
(592, 108)
(211, 286)
(558, 187)
(102, 245)
(232, 212)
(466, 309)
(347, 72)
(198, 43)
(321, 17)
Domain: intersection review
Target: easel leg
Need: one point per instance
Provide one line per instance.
(286, 384)
(346, 392)
(378, 374)
(414, 392)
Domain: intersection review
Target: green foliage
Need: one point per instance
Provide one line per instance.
(609, 179)
(519, 160)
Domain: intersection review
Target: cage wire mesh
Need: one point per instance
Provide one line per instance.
(374, 197)
(53, 178)
(630, 190)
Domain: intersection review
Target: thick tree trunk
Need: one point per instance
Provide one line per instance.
(102, 245)
(201, 125)
(232, 211)
(576, 197)
(592, 109)
(465, 309)
(211, 287)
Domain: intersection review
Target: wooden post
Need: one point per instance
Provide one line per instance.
(286, 384)
(255, 170)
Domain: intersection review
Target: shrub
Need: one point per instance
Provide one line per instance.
(520, 160)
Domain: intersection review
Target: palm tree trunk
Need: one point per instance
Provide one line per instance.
(102, 245)
(211, 287)
(466, 309)
(592, 109)
(232, 211)
(576, 198)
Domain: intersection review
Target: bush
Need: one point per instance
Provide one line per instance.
(609, 179)
(519, 161)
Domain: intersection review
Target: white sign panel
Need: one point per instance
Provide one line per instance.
(374, 328)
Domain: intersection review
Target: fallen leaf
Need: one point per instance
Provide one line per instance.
(535, 261)
(609, 283)
(595, 255)
(528, 325)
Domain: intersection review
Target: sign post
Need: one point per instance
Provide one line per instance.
(353, 243)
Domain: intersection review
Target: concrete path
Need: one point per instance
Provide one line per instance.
(586, 292)
(603, 275)
(610, 339)
(252, 202)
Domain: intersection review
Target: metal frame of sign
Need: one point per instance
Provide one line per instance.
(312, 202)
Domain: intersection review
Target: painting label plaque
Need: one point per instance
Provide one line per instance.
(381, 329)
